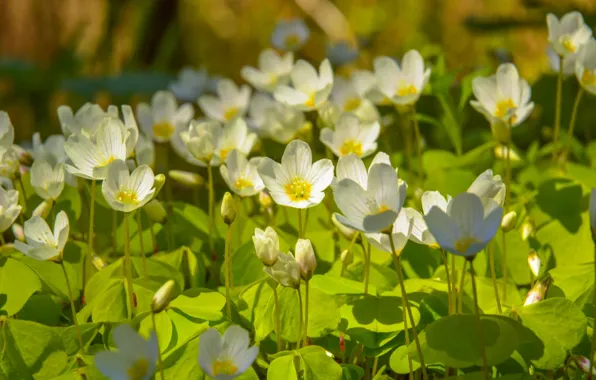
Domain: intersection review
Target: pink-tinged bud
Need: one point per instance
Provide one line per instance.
(528, 229)
(534, 262)
(537, 293)
(583, 363)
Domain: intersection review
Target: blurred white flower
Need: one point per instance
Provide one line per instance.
(135, 359)
(6, 131)
(365, 83)
(296, 182)
(274, 69)
(272, 119)
(240, 174)
(163, 119)
(342, 52)
(9, 208)
(568, 34)
(42, 243)
(350, 96)
(568, 61)
(230, 103)
(585, 66)
(351, 136)
(266, 245)
(85, 121)
(310, 90)
(125, 191)
(402, 84)
(47, 180)
(290, 35)
(487, 185)
(145, 151)
(190, 84)
(285, 271)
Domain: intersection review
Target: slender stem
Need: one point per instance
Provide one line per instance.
(87, 257)
(479, 324)
(143, 257)
(375, 365)
(300, 223)
(128, 266)
(504, 244)
(211, 201)
(300, 323)
(461, 289)
(2, 241)
(114, 224)
(491, 250)
(277, 322)
(153, 239)
(418, 144)
(507, 201)
(227, 271)
(453, 284)
(593, 349)
(366, 253)
(449, 284)
(306, 313)
(407, 336)
(169, 203)
(558, 106)
(578, 99)
(404, 294)
(159, 359)
(72, 307)
(24, 197)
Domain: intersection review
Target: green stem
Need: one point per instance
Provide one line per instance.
(404, 294)
(72, 307)
(507, 201)
(159, 359)
(479, 324)
(114, 224)
(153, 239)
(578, 99)
(2, 241)
(375, 365)
(23, 203)
(448, 276)
(461, 289)
(87, 258)
(453, 284)
(277, 321)
(407, 336)
(300, 223)
(306, 313)
(366, 254)
(128, 266)
(491, 250)
(558, 106)
(227, 271)
(418, 145)
(299, 338)
(593, 349)
(211, 201)
(143, 257)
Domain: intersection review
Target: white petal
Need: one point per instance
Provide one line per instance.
(467, 212)
(433, 198)
(141, 180)
(351, 166)
(112, 365)
(61, 229)
(37, 232)
(297, 159)
(443, 229)
(210, 347)
(321, 175)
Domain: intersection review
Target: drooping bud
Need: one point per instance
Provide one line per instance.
(538, 291)
(162, 297)
(305, 257)
(187, 179)
(160, 180)
(228, 208)
(265, 199)
(534, 262)
(266, 245)
(509, 221)
(18, 232)
(347, 257)
(98, 262)
(346, 232)
(43, 210)
(156, 212)
(285, 271)
(527, 229)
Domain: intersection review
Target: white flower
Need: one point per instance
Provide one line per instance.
(226, 357)
(365, 83)
(585, 66)
(131, 127)
(125, 191)
(370, 201)
(503, 98)
(400, 233)
(135, 359)
(241, 174)
(487, 185)
(231, 102)
(274, 69)
(274, 120)
(306, 259)
(420, 233)
(403, 84)
(6, 131)
(190, 84)
(91, 157)
(350, 96)
(568, 34)
(52, 150)
(9, 208)
(555, 61)
(47, 180)
(266, 245)
(467, 226)
(285, 271)
(85, 121)
(9, 163)
(145, 151)
(163, 119)
(296, 182)
(290, 35)
(42, 243)
(310, 90)
(351, 136)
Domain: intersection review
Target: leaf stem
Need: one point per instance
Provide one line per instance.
(306, 287)
(72, 308)
(90, 251)
(277, 322)
(578, 99)
(142, 245)
(507, 202)
(159, 359)
(449, 283)
(418, 145)
(593, 349)
(300, 316)
(491, 250)
(461, 288)
(211, 201)
(228, 270)
(128, 267)
(478, 323)
(558, 105)
(300, 236)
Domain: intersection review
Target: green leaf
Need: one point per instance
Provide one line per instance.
(576, 282)
(200, 303)
(313, 362)
(52, 276)
(70, 339)
(351, 372)
(282, 368)
(398, 361)
(559, 323)
(183, 364)
(163, 324)
(186, 328)
(246, 266)
(331, 284)
(17, 283)
(42, 308)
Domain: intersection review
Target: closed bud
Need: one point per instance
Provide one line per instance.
(527, 229)
(501, 153)
(583, 363)
(266, 245)
(43, 210)
(534, 263)
(538, 291)
(285, 271)
(187, 179)
(347, 257)
(228, 208)
(18, 232)
(162, 297)
(346, 232)
(305, 257)
(156, 212)
(509, 221)
(160, 180)
(265, 199)
(98, 262)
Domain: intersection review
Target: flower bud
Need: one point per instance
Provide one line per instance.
(266, 245)
(98, 262)
(346, 232)
(43, 210)
(18, 232)
(534, 262)
(156, 212)
(228, 208)
(160, 179)
(285, 271)
(265, 199)
(583, 363)
(538, 291)
(509, 221)
(527, 229)
(25, 158)
(501, 153)
(305, 257)
(347, 257)
(187, 179)
(162, 297)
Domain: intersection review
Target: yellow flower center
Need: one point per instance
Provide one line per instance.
(223, 153)
(434, 246)
(231, 113)
(311, 100)
(273, 78)
(589, 77)
(243, 183)
(224, 367)
(127, 196)
(504, 107)
(351, 104)
(163, 130)
(351, 146)
(291, 41)
(463, 244)
(138, 370)
(107, 161)
(406, 89)
(298, 189)
(568, 44)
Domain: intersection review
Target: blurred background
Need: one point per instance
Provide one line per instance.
(57, 52)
